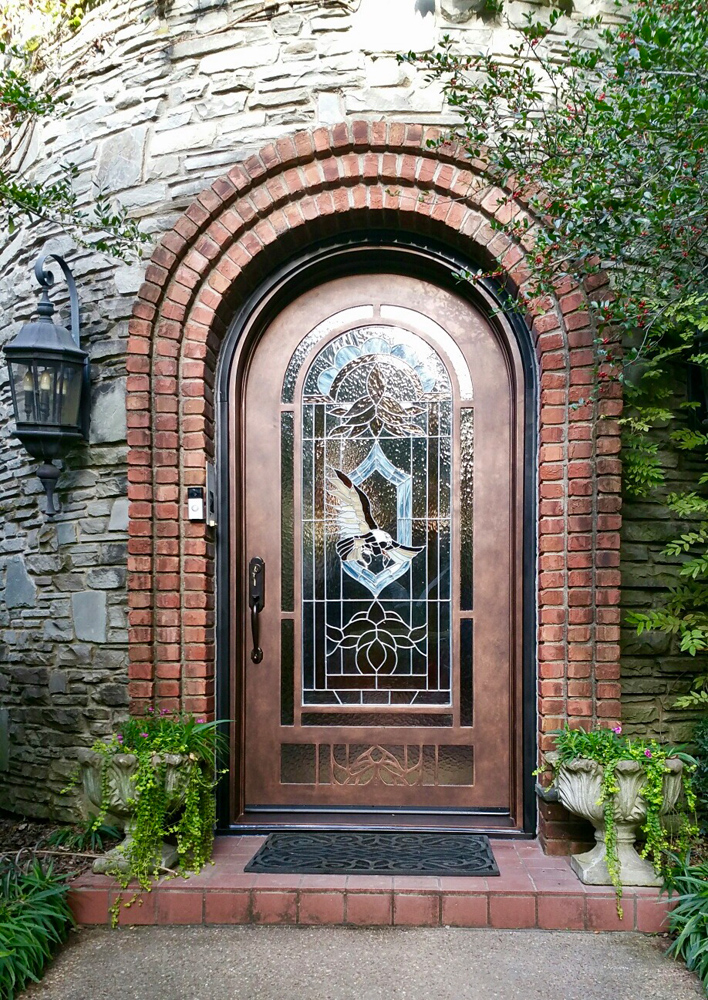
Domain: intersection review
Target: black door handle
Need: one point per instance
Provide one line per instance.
(256, 601)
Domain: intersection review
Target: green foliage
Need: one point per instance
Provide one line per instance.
(150, 738)
(700, 776)
(34, 918)
(608, 747)
(687, 885)
(608, 146)
(106, 227)
(88, 837)
(19, 100)
(684, 613)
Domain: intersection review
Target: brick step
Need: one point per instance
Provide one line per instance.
(532, 890)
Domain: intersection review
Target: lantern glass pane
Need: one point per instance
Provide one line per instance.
(47, 392)
(23, 384)
(70, 388)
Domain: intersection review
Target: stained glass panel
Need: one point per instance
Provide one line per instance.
(376, 482)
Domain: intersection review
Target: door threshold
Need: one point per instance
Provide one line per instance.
(384, 822)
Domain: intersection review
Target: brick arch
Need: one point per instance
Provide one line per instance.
(294, 192)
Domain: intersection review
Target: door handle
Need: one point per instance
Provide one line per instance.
(256, 601)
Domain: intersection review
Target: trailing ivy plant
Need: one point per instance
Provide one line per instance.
(150, 738)
(608, 747)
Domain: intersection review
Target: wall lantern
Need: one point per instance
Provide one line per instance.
(49, 379)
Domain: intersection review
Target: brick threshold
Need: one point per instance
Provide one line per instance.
(532, 891)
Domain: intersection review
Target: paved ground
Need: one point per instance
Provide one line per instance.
(334, 963)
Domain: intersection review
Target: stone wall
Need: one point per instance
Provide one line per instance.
(165, 98)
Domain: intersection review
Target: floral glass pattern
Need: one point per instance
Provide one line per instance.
(376, 484)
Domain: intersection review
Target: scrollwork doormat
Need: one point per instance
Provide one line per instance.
(345, 853)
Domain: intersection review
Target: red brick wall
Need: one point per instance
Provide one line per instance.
(302, 188)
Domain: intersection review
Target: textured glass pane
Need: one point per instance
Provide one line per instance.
(287, 511)
(374, 719)
(325, 764)
(287, 668)
(297, 763)
(455, 766)
(466, 507)
(376, 487)
(402, 315)
(466, 674)
(448, 765)
(320, 332)
(377, 764)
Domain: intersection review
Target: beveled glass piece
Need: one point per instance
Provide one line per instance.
(406, 317)
(356, 314)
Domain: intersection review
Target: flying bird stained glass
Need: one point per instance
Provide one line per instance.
(376, 506)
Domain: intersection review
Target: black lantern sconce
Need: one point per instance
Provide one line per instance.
(49, 379)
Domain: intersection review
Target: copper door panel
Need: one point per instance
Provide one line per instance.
(380, 448)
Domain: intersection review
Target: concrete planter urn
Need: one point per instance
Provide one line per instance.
(579, 785)
(109, 782)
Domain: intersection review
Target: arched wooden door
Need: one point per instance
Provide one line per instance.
(381, 447)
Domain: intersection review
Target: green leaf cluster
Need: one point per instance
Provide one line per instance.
(150, 738)
(687, 886)
(608, 747)
(599, 151)
(23, 101)
(34, 919)
(607, 144)
(85, 837)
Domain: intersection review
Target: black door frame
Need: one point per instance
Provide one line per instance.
(433, 261)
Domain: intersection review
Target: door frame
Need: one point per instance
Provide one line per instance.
(436, 263)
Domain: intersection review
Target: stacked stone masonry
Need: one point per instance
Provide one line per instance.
(239, 134)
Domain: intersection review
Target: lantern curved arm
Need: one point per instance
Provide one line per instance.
(46, 280)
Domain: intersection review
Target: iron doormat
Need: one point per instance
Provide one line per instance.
(344, 853)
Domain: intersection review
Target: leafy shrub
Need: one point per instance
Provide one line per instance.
(688, 885)
(34, 919)
(88, 837)
(700, 777)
